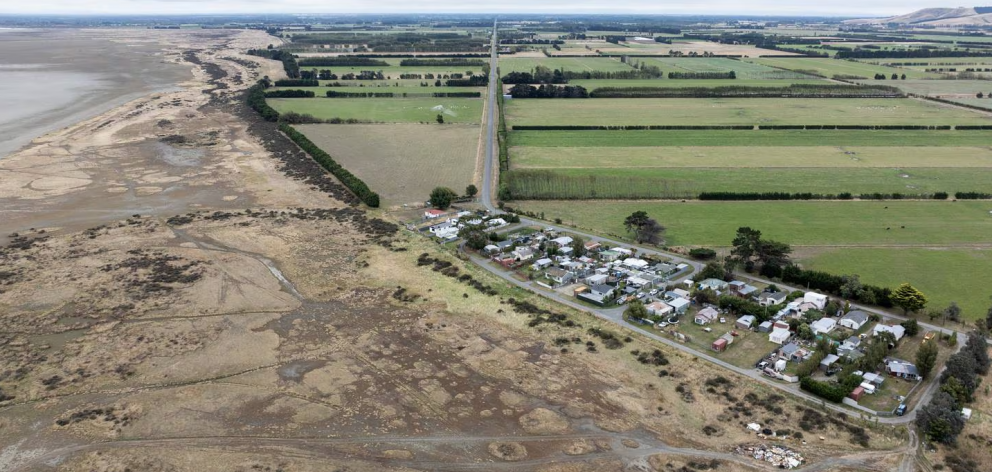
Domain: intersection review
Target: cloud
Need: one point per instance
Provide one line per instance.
(714, 7)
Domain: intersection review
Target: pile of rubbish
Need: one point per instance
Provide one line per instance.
(778, 456)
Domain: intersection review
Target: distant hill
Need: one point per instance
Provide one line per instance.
(960, 16)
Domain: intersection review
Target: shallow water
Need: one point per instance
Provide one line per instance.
(55, 78)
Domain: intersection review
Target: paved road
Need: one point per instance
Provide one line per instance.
(491, 106)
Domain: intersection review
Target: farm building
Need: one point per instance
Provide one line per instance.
(823, 325)
(706, 316)
(680, 305)
(745, 322)
(854, 320)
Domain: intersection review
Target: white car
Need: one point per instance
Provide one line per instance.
(653, 292)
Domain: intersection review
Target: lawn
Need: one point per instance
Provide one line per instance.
(831, 67)
(653, 138)
(387, 110)
(943, 274)
(402, 162)
(687, 83)
(736, 111)
(814, 223)
(687, 182)
(578, 64)
(751, 156)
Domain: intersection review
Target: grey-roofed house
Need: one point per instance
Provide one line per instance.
(902, 369)
(828, 361)
(769, 299)
(854, 320)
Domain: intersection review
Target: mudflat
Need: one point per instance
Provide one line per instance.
(54, 78)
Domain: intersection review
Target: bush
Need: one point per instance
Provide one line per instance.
(702, 253)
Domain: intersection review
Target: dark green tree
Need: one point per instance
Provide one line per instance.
(941, 419)
(636, 311)
(912, 327)
(471, 190)
(926, 358)
(441, 197)
(440, 119)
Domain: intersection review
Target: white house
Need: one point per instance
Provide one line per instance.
(820, 301)
(854, 320)
(523, 253)
(433, 214)
(769, 299)
(635, 263)
(897, 330)
(779, 335)
(823, 325)
(597, 279)
(716, 285)
(542, 263)
(562, 241)
(706, 316)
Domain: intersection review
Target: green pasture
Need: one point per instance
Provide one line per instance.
(743, 70)
(736, 111)
(684, 83)
(831, 67)
(862, 138)
(387, 110)
(581, 183)
(578, 64)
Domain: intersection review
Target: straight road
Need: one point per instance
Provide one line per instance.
(491, 105)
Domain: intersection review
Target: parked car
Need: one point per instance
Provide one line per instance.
(653, 292)
(901, 409)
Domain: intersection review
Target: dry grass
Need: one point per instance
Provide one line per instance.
(402, 162)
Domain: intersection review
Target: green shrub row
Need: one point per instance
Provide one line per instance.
(297, 83)
(356, 185)
(256, 100)
(702, 75)
(790, 91)
(344, 61)
(336, 94)
(628, 127)
(290, 94)
(443, 62)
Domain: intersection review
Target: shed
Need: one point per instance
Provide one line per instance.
(857, 393)
(765, 327)
(680, 305)
(966, 413)
(780, 365)
(828, 361)
(720, 345)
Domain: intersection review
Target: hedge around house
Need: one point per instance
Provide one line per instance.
(353, 183)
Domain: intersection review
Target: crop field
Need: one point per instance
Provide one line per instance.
(394, 72)
(831, 67)
(382, 156)
(744, 70)
(819, 223)
(387, 87)
(752, 157)
(653, 138)
(386, 110)
(737, 111)
(945, 275)
(688, 182)
(581, 64)
(593, 84)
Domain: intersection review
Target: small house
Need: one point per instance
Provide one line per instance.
(742, 289)
(678, 292)
(823, 325)
(560, 276)
(491, 249)
(818, 300)
(715, 285)
(679, 305)
(563, 241)
(523, 253)
(604, 291)
(897, 331)
(433, 214)
(597, 279)
(901, 369)
(779, 335)
(787, 351)
(542, 263)
(873, 378)
(854, 320)
(706, 316)
(745, 322)
(659, 308)
(609, 256)
(634, 263)
(769, 299)
(592, 246)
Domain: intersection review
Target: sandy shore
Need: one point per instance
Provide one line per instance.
(116, 164)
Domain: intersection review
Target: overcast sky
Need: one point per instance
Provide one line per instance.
(757, 7)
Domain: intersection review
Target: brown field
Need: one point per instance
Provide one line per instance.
(402, 162)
